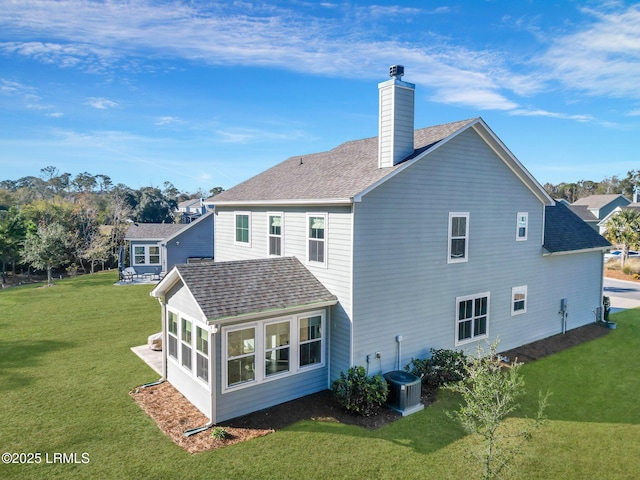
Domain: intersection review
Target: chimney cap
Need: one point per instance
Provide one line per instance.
(396, 71)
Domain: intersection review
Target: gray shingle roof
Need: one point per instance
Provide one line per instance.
(564, 231)
(583, 212)
(598, 201)
(152, 231)
(231, 289)
(340, 173)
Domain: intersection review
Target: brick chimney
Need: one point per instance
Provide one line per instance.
(395, 141)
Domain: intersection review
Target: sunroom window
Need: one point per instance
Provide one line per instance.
(202, 354)
(277, 348)
(186, 344)
(310, 340)
(241, 356)
(172, 334)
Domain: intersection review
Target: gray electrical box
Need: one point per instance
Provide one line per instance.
(563, 305)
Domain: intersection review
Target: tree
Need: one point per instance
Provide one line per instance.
(12, 232)
(215, 191)
(489, 395)
(623, 229)
(46, 248)
(154, 207)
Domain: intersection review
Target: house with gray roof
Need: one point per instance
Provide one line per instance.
(371, 254)
(154, 248)
(602, 205)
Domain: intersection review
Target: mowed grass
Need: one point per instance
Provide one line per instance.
(66, 369)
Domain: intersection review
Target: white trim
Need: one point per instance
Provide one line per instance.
(546, 253)
(450, 238)
(325, 239)
(288, 202)
(236, 214)
(525, 215)
(146, 247)
(473, 337)
(281, 236)
(259, 327)
(519, 290)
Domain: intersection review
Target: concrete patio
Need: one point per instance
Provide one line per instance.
(153, 358)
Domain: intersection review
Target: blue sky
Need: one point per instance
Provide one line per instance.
(204, 93)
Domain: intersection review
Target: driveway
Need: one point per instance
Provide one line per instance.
(623, 294)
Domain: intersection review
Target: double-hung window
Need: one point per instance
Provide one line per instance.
(241, 356)
(172, 334)
(146, 255)
(277, 347)
(275, 234)
(522, 227)
(472, 318)
(202, 354)
(458, 250)
(310, 340)
(187, 342)
(242, 228)
(316, 237)
(518, 300)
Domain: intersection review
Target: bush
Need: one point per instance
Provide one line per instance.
(441, 368)
(359, 393)
(220, 433)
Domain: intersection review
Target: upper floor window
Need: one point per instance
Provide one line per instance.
(518, 300)
(522, 228)
(243, 228)
(316, 234)
(275, 234)
(458, 237)
(146, 255)
(472, 319)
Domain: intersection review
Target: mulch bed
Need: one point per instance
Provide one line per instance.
(174, 414)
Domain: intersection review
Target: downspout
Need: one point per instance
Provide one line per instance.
(210, 423)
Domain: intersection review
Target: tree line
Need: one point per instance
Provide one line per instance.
(611, 185)
(79, 222)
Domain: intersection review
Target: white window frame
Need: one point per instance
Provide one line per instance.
(451, 238)
(173, 337)
(270, 235)
(200, 353)
(147, 255)
(178, 360)
(324, 216)
(522, 290)
(235, 231)
(314, 340)
(186, 342)
(522, 238)
(260, 350)
(277, 348)
(473, 318)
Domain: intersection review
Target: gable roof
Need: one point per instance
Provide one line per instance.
(565, 232)
(152, 231)
(249, 288)
(348, 171)
(583, 212)
(599, 201)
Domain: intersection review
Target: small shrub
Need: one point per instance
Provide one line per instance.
(359, 393)
(220, 433)
(443, 367)
(627, 270)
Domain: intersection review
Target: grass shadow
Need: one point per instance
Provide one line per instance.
(16, 357)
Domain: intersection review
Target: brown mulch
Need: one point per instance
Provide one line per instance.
(174, 414)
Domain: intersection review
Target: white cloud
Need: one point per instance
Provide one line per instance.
(168, 120)
(101, 103)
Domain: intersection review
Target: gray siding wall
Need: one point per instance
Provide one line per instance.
(336, 276)
(196, 241)
(403, 284)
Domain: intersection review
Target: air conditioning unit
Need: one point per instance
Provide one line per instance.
(404, 392)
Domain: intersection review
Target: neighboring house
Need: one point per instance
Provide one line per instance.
(154, 248)
(371, 254)
(601, 226)
(602, 205)
(586, 215)
(189, 210)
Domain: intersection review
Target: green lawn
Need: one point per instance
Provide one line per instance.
(66, 370)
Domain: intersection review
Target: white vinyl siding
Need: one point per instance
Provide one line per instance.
(522, 227)
(458, 237)
(518, 300)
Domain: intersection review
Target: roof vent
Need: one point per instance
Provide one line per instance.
(396, 71)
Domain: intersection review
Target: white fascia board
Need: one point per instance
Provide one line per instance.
(545, 253)
(293, 202)
(278, 312)
(170, 279)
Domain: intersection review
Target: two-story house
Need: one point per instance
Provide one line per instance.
(371, 254)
